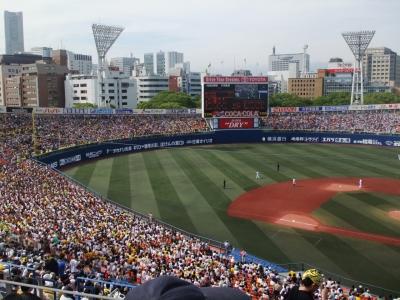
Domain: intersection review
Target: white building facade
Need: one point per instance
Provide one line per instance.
(281, 62)
(117, 90)
(150, 86)
(45, 52)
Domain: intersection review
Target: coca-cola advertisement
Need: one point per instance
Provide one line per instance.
(236, 123)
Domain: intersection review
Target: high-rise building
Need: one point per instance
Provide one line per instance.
(14, 32)
(161, 63)
(125, 64)
(149, 63)
(381, 66)
(281, 62)
(172, 59)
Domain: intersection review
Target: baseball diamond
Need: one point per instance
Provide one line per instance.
(325, 220)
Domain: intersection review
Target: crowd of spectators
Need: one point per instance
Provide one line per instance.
(55, 231)
(386, 122)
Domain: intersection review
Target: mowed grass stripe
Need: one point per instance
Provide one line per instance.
(142, 195)
(342, 253)
(247, 233)
(375, 217)
(331, 218)
(356, 216)
(372, 166)
(84, 173)
(386, 158)
(286, 237)
(333, 165)
(382, 201)
(170, 207)
(100, 179)
(301, 166)
(216, 175)
(245, 168)
(385, 256)
(230, 171)
(349, 158)
(260, 163)
(119, 185)
(198, 209)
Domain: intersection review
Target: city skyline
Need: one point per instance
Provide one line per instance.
(210, 31)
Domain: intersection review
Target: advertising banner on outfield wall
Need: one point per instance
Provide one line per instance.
(48, 110)
(236, 123)
(284, 109)
(81, 153)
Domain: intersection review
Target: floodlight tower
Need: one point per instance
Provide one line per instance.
(358, 42)
(104, 37)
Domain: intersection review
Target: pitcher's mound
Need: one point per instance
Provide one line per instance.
(395, 214)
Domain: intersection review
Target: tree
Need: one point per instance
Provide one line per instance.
(84, 105)
(286, 99)
(340, 98)
(168, 100)
(381, 98)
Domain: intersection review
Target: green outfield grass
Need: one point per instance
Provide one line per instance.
(184, 187)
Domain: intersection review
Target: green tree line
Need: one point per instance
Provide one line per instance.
(342, 98)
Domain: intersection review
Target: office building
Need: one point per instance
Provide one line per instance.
(173, 58)
(37, 84)
(381, 66)
(125, 64)
(60, 57)
(281, 62)
(118, 90)
(14, 32)
(149, 63)
(339, 80)
(79, 63)
(10, 66)
(150, 85)
(308, 87)
(45, 52)
(161, 64)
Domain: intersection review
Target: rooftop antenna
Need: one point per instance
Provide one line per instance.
(358, 42)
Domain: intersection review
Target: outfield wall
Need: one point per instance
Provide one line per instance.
(69, 156)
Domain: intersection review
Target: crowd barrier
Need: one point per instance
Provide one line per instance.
(69, 156)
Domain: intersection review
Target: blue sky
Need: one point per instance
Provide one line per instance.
(215, 31)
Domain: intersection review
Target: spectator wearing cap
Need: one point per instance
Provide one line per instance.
(310, 282)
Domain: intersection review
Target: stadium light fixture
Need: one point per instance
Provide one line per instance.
(104, 37)
(358, 42)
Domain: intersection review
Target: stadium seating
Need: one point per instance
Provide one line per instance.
(53, 229)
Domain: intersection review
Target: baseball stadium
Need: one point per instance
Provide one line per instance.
(236, 194)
